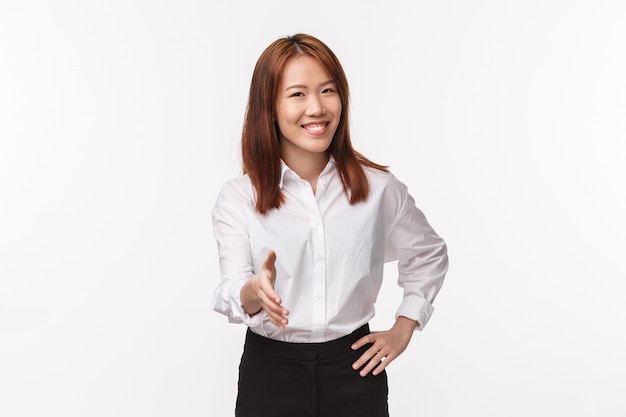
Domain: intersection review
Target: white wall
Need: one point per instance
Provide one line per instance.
(120, 120)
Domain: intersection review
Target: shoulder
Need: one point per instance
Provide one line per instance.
(391, 194)
(383, 180)
(238, 189)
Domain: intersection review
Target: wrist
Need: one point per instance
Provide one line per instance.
(406, 323)
(248, 299)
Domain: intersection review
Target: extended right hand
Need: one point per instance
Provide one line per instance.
(258, 293)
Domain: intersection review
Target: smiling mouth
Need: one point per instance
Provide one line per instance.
(315, 127)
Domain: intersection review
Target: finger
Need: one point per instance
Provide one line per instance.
(382, 365)
(267, 289)
(277, 318)
(276, 312)
(362, 342)
(272, 303)
(376, 359)
(278, 321)
(365, 357)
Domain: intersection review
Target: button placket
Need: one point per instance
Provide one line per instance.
(318, 246)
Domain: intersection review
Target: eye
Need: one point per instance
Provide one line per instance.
(297, 94)
(328, 90)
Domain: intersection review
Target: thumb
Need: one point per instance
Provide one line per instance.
(268, 264)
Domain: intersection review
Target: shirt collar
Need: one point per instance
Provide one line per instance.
(285, 169)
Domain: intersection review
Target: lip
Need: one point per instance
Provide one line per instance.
(316, 132)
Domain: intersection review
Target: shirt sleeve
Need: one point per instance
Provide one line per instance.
(231, 233)
(421, 254)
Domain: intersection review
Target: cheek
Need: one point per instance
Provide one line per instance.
(286, 124)
(336, 107)
(287, 115)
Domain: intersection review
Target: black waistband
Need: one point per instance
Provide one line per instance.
(304, 351)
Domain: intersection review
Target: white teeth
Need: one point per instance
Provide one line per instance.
(315, 127)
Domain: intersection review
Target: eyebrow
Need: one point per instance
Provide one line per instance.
(301, 86)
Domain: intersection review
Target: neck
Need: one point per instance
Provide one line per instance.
(308, 168)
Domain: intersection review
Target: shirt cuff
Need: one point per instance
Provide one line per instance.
(416, 308)
(229, 303)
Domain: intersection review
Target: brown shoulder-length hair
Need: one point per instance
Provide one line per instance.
(260, 144)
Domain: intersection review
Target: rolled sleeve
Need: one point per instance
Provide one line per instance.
(227, 301)
(230, 230)
(421, 254)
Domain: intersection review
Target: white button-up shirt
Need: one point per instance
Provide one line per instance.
(329, 254)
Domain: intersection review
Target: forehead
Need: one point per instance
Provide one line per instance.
(304, 69)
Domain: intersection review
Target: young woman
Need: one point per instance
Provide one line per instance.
(303, 236)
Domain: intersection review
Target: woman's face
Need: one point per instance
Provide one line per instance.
(308, 109)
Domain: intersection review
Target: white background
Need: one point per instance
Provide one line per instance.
(120, 120)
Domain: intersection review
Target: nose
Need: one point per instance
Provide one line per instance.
(315, 106)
